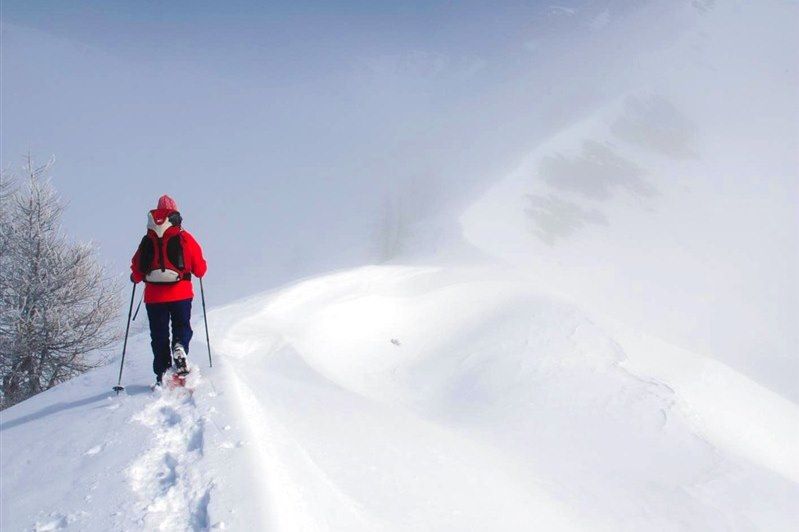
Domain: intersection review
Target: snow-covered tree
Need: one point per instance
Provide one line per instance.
(56, 302)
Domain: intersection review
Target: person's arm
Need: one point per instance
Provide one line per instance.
(135, 274)
(198, 264)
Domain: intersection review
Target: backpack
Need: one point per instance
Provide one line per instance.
(161, 259)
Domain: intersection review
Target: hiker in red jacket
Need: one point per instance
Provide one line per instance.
(166, 259)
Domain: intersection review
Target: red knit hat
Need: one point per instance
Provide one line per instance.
(165, 202)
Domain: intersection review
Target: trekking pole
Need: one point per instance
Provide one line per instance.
(138, 307)
(118, 388)
(205, 320)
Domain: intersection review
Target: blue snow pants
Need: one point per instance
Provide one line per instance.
(159, 315)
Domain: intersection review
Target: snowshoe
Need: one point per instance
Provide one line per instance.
(159, 382)
(179, 355)
(177, 380)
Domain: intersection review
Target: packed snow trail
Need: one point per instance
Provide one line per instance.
(168, 478)
(81, 457)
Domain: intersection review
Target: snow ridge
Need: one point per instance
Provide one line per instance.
(167, 478)
(518, 411)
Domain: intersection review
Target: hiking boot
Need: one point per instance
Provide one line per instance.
(179, 354)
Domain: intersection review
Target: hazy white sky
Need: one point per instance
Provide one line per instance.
(281, 129)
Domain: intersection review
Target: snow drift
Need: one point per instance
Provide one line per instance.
(399, 398)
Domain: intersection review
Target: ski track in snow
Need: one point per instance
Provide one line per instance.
(167, 479)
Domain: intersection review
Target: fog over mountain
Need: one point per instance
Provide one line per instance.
(673, 205)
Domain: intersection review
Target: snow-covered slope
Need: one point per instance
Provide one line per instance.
(397, 398)
(673, 205)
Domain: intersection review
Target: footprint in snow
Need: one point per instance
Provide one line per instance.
(170, 416)
(172, 493)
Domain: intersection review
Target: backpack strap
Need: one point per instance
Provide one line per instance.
(146, 254)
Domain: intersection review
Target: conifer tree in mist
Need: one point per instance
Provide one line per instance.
(57, 304)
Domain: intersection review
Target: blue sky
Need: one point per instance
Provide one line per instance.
(259, 29)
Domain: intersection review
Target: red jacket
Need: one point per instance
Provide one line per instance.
(164, 293)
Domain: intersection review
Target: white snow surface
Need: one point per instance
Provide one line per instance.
(408, 398)
(604, 338)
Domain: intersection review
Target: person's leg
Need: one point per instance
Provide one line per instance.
(181, 323)
(158, 315)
